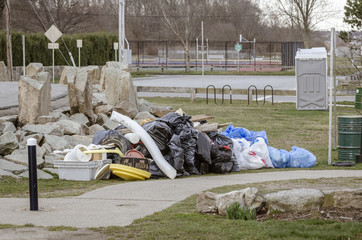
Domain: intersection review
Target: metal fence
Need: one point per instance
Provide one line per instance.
(254, 56)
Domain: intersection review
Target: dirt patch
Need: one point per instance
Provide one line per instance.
(330, 213)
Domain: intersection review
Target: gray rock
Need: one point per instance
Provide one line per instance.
(67, 72)
(206, 202)
(8, 143)
(248, 197)
(80, 118)
(144, 115)
(50, 158)
(95, 128)
(6, 173)
(34, 98)
(7, 127)
(21, 157)
(302, 199)
(45, 119)
(38, 137)
(126, 109)
(74, 140)
(58, 116)
(12, 167)
(102, 118)
(94, 73)
(47, 148)
(110, 124)
(33, 69)
(20, 135)
(3, 72)
(10, 118)
(71, 127)
(50, 129)
(84, 94)
(55, 142)
(40, 174)
(144, 105)
(105, 109)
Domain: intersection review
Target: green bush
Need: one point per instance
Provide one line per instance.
(235, 211)
(97, 48)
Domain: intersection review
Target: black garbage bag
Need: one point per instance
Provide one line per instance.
(105, 137)
(188, 138)
(156, 171)
(160, 132)
(177, 159)
(220, 140)
(203, 148)
(221, 167)
(177, 122)
(220, 154)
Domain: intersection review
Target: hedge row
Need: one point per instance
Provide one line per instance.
(97, 48)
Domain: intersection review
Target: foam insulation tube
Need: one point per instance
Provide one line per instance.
(150, 144)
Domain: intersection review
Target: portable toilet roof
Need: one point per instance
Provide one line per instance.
(312, 53)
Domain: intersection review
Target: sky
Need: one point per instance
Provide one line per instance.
(336, 20)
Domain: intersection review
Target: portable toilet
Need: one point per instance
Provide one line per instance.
(311, 77)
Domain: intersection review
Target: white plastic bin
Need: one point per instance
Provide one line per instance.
(79, 171)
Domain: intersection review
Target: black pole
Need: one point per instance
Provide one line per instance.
(33, 185)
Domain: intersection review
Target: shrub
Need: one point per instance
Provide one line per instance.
(235, 211)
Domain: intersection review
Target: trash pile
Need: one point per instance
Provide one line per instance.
(175, 148)
(171, 146)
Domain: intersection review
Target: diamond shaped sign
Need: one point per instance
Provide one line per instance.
(53, 34)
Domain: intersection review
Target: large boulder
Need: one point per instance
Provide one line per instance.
(34, 98)
(80, 92)
(12, 167)
(8, 143)
(21, 157)
(94, 73)
(33, 69)
(39, 174)
(7, 127)
(119, 88)
(206, 202)
(55, 142)
(247, 197)
(68, 72)
(3, 72)
(303, 199)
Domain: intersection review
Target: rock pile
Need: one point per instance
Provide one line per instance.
(65, 128)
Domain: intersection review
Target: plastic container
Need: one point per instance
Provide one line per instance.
(79, 171)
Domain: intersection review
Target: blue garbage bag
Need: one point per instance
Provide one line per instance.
(239, 132)
(279, 158)
(301, 158)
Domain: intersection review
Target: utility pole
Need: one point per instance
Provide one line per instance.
(9, 54)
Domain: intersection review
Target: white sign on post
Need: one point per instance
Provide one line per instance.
(115, 47)
(53, 34)
(79, 46)
(53, 45)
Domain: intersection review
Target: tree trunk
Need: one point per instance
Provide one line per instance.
(9, 54)
(187, 56)
(306, 38)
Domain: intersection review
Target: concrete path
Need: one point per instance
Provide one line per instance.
(9, 93)
(119, 205)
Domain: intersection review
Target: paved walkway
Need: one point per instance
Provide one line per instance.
(120, 205)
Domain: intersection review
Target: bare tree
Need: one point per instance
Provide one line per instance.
(183, 18)
(303, 14)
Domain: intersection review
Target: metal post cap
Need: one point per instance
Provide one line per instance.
(31, 142)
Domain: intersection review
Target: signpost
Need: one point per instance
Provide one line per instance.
(238, 48)
(79, 46)
(53, 34)
(115, 47)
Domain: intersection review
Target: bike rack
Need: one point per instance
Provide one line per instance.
(256, 94)
(207, 94)
(272, 93)
(230, 93)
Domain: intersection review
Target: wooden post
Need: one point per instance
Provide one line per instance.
(9, 54)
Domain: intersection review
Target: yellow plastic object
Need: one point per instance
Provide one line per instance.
(144, 121)
(131, 170)
(127, 176)
(105, 151)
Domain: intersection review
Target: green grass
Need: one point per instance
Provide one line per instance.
(11, 187)
(181, 221)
